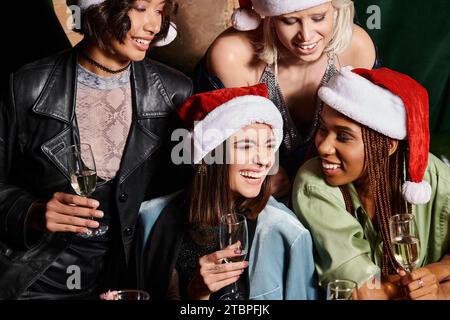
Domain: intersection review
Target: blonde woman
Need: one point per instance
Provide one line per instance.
(298, 45)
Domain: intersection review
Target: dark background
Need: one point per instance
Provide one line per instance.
(415, 39)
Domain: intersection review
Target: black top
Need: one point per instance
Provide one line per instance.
(200, 241)
(197, 242)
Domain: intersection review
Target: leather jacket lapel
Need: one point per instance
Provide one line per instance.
(150, 100)
(57, 101)
(58, 96)
(54, 147)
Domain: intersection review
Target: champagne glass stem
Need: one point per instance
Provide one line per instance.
(234, 288)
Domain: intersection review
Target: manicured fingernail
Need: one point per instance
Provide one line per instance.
(245, 264)
(99, 214)
(93, 224)
(94, 203)
(237, 251)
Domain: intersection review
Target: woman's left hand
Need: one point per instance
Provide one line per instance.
(422, 284)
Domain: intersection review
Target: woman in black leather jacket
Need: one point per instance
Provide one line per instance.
(106, 93)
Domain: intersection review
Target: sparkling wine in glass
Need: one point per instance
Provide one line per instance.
(341, 289)
(405, 240)
(83, 178)
(84, 182)
(233, 230)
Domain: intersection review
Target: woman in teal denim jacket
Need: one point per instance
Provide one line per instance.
(178, 255)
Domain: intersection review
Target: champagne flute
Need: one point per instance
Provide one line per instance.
(233, 229)
(341, 289)
(83, 178)
(405, 240)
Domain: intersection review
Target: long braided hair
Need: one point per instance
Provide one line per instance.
(386, 175)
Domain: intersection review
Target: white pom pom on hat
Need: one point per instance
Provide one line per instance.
(392, 104)
(416, 193)
(171, 35)
(245, 18)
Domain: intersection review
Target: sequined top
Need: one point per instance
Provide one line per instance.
(197, 242)
(292, 139)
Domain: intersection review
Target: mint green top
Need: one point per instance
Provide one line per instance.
(350, 248)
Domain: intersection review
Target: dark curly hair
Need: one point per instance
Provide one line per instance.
(109, 20)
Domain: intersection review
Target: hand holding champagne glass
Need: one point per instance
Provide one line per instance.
(234, 231)
(83, 178)
(405, 240)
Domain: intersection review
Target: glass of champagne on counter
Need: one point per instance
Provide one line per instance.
(234, 230)
(83, 178)
(405, 240)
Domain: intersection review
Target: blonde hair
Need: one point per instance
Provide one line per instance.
(341, 39)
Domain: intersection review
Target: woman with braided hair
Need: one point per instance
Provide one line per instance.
(373, 135)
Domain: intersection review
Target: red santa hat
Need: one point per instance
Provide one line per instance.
(390, 103)
(245, 18)
(214, 116)
(170, 36)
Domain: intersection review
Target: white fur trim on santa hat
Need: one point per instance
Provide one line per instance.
(171, 35)
(270, 8)
(366, 103)
(245, 19)
(229, 118)
(84, 4)
(416, 193)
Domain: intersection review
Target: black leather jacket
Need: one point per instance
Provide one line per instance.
(36, 123)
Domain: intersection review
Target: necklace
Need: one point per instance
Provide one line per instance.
(102, 67)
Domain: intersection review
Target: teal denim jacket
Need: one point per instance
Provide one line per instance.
(281, 265)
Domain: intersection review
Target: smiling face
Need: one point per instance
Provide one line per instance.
(146, 18)
(251, 155)
(340, 146)
(306, 33)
